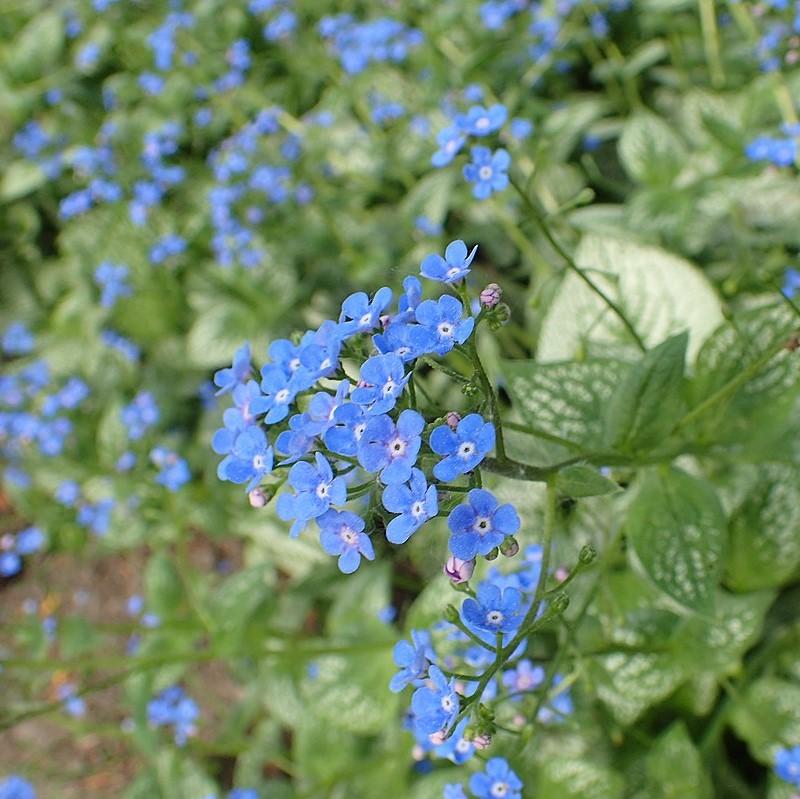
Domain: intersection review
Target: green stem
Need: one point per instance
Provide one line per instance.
(538, 220)
(491, 396)
(444, 369)
(708, 22)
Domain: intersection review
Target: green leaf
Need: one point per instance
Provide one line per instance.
(162, 584)
(676, 530)
(37, 46)
(765, 529)
(767, 716)
(19, 179)
(564, 400)
(660, 294)
(236, 600)
(582, 480)
(647, 403)
(650, 150)
(674, 769)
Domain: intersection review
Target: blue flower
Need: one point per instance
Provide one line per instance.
(454, 791)
(296, 441)
(172, 707)
(29, 540)
(453, 267)
(521, 128)
(413, 659)
(493, 610)
(317, 489)
(456, 748)
(140, 414)
(166, 247)
(67, 492)
(15, 787)
(250, 459)
(74, 705)
(525, 677)
(560, 706)
(383, 379)
(322, 409)
(435, 704)
(497, 780)
(787, 765)
(174, 469)
(349, 423)
(389, 448)
(450, 141)
(411, 297)
(479, 525)
(359, 314)
(463, 448)
(791, 282)
(480, 121)
(17, 339)
(488, 171)
(443, 320)
(279, 389)
(342, 533)
(406, 341)
(319, 354)
(237, 373)
(97, 516)
(416, 503)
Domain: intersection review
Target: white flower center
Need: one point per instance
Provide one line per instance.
(397, 447)
(282, 396)
(418, 509)
(451, 146)
(389, 387)
(463, 746)
(259, 462)
(494, 617)
(447, 704)
(485, 173)
(482, 123)
(349, 536)
(358, 430)
(466, 450)
(482, 525)
(366, 319)
(294, 364)
(445, 329)
(403, 350)
(453, 271)
(499, 789)
(322, 490)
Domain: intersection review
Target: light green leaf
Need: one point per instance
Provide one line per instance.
(659, 293)
(582, 480)
(19, 179)
(37, 46)
(674, 769)
(647, 403)
(650, 150)
(564, 400)
(676, 531)
(163, 586)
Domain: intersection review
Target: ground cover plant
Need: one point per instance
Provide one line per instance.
(399, 399)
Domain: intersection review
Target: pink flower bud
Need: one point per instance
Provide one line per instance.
(438, 737)
(562, 573)
(258, 499)
(459, 571)
(452, 419)
(482, 741)
(491, 295)
(7, 541)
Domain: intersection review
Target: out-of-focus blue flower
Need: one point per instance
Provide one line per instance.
(520, 128)
(112, 280)
(15, 787)
(450, 141)
(413, 659)
(141, 414)
(488, 171)
(166, 247)
(237, 374)
(17, 339)
(173, 708)
(174, 470)
(524, 678)
(480, 121)
(787, 765)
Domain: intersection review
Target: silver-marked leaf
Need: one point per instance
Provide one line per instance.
(582, 480)
(674, 769)
(564, 400)
(676, 530)
(650, 150)
(660, 294)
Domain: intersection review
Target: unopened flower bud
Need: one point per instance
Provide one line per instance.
(459, 571)
(510, 546)
(500, 315)
(562, 572)
(438, 737)
(491, 295)
(482, 741)
(452, 419)
(258, 498)
(469, 389)
(451, 614)
(492, 554)
(560, 603)
(7, 541)
(587, 554)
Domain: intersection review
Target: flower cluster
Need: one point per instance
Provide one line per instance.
(13, 547)
(780, 151)
(111, 279)
(173, 708)
(371, 423)
(357, 44)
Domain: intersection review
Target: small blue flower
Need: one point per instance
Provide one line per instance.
(74, 705)
(413, 659)
(463, 448)
(391, 449)
(787, 765)
(416, 503)
(444, 322)
(497, 780)
(480, 121)
(17, 339)
(141, 414)
(560, 706)
(521, 128)
(237, 373)
(172, 707)
(174, 470)
(15, 787)
(525, 677)
(406, 341)
(279, 389)
(435, 704)
(67, 492)
(383, 379)
(349, 423)
(454, 791)
(488, 171)
(791, 282)
(322, 408)
(359, 315)
(493, 610)
(342, 533)
(250, 459)
(480, 524)
(450, 141)
(317, 489)
(453, 267)
(29, 540)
